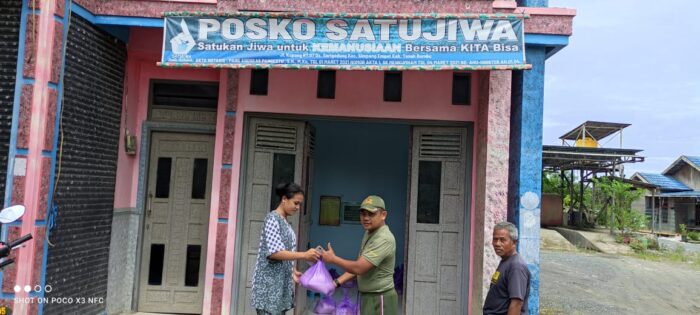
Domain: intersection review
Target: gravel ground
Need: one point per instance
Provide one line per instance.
(593, 283)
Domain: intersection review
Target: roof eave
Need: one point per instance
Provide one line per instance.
(675, 166)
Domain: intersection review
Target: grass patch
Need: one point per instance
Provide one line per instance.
(678, 255)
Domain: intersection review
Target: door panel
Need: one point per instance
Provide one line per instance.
(437, 221)
(305, 213)
(274, 153)
(176, 223)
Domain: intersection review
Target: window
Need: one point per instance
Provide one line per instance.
(259, 81)
(647, 206)
(190, 95)
(199, 178)
(194, 253)
(163, 177)
(664, 215)
(461, 88)
(392, 86)
(282, 172)
(155, 266)
(325, 87)
(429, 178)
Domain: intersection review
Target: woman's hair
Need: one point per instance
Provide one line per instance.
(288, 190)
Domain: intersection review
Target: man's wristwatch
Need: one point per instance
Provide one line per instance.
(337, 284)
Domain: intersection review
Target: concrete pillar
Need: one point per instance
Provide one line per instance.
(33, 145)
(525, 182)
(219, 220)
(492, 176)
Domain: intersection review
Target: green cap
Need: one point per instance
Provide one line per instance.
(373, 203)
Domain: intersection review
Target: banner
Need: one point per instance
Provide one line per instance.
(341, 41)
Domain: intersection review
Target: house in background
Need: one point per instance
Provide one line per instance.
(676, 200)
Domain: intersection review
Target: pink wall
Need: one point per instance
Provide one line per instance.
(156, 8)
(427, 95)
(143, 53)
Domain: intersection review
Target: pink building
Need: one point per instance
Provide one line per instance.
(146, 185)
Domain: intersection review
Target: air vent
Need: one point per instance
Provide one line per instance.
(312, 141)
(440, 145)
(276, 137)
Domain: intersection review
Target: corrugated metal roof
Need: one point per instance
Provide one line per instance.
(596, 129)
(666, 183)
(683, 160)
(694, 159)
(682, 194)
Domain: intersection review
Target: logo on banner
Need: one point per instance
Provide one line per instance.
(182, 43)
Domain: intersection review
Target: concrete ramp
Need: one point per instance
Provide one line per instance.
(551, 239)
(598, 240)
(576, 238)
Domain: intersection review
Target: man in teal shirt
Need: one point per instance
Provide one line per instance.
(374, 268)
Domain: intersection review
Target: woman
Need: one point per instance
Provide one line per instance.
(275, 273)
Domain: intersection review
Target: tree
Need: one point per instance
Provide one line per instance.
(555, 183)
(552, 183)
(619, 197)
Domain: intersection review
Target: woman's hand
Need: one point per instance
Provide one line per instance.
(312, 255)
(296, 275)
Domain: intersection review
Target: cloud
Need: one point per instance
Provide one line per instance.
(549, 123)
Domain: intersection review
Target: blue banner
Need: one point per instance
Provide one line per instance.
(335, 41)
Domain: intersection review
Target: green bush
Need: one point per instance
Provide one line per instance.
(619, 198)
(653, 243)
(644, 243)
(693, 235)
(637, 245)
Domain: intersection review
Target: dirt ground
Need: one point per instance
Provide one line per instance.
(592, 283)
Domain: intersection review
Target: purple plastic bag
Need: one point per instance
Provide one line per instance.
(346, 307)
(398, 279)
(318, 279)
(326, 305)
(349, 284)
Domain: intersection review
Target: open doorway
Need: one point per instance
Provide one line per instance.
(422, 173)
(352, 161)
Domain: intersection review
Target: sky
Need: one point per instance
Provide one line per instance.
(635, 62)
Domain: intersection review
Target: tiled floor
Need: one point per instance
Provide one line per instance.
(337, 296)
